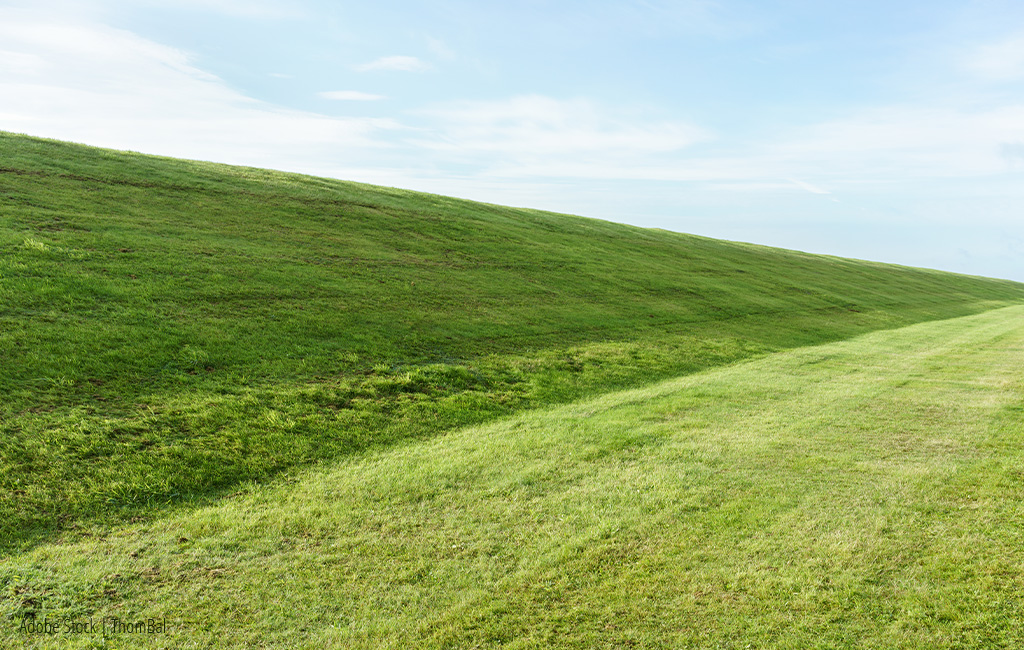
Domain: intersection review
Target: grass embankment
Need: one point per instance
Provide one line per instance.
(169, 329)
(864, 493)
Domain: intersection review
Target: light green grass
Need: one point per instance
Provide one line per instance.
(859, 494)
(171, 330)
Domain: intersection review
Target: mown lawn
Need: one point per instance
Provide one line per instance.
(858, 494)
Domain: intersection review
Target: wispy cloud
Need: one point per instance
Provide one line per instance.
(932, 142)
(440, 49)
(999, 61)
(350, 96)
(534, 135)
(808, 187)
(20, 63)
(397, 63)
(109, 87)
(265, 9)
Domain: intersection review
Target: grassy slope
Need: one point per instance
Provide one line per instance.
(169, 329)
(864, 493)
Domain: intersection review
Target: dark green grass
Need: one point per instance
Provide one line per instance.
(169, 329)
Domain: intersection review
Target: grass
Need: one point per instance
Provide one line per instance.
(283, 411)
(857, 494)
(172, 330)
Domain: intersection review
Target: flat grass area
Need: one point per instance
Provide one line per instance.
(171, 331)
(859, 494)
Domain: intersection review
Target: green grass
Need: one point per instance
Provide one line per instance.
(858, 494)
(171, 330)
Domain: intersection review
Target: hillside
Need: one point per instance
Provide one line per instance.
(170, 330)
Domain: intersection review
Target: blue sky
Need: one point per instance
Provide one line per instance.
(877, 130)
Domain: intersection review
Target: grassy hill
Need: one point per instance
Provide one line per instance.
(171, 331)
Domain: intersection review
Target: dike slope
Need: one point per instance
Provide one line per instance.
(169, 328)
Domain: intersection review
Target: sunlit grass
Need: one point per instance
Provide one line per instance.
(858, 494)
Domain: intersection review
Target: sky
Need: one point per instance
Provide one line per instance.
(870, 129)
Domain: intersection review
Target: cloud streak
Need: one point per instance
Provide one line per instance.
(350, 96)
(907, 142)
(393, 63)
(807, 187)
(533, 135)
(999, 61)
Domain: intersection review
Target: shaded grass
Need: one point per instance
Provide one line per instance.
(171, 329)
(858, 494)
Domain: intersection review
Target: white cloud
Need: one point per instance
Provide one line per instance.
(907, 142)
(440, 50)
(20, 63)
(264, 9)
(534, 135)
(808, 187)
(399, 63)
(108, 87)
(350, 96)
(1000, 61)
